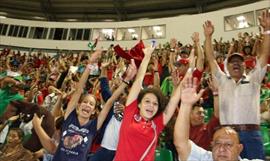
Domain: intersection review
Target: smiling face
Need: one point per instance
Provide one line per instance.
(197, 116)
(87, 107)
(226, 146)
(236, 67)
(148, 106)
(14, 136)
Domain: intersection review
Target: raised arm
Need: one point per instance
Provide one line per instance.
(265, 23)
(45, 140)
(198, 51)
(156, 73)
(79, 87)
(189, 96)
(175, 97)
(137, 84)
(130, 73)
(209, 51)
(214, 88)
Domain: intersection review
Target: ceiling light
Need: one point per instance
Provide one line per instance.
(71, 20)
(159, 34)
(108, 20)
(156, 28)
(39, 18)
(131, 30)
(240, 18)
(135, 35)
(243, 24)
(3, 17)
(107, 31)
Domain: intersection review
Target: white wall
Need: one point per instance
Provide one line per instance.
(180, 27)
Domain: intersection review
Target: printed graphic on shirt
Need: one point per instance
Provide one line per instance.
(74, 139)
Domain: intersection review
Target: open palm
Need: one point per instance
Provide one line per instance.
(189, 94)
(265, 20)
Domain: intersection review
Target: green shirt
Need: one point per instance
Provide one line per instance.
(6, 96)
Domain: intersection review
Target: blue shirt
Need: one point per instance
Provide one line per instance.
(75, 139)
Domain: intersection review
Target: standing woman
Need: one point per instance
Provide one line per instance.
(144, 117)
(80, 124)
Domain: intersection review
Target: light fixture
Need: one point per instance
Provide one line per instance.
(39, 18)
(108, 20)
(156, 28)
(159, 34)
(107, 31)
(2, 17)
(131, 30)
(243, 24)
(241, 18)
(71, 20)
(135, 35)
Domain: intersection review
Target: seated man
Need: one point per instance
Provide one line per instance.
(226, 144)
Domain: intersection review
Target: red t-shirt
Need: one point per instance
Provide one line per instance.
(202, 134)
(135, 136)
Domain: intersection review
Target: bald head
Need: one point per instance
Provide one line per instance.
(226, 145)
(227, 131)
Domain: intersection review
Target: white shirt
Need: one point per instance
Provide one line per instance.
(111, 135)
(199, 154)
(3, 134)
(239, 102)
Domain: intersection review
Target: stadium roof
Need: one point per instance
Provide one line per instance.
(109, 10)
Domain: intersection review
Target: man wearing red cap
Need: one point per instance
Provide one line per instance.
(239, 95)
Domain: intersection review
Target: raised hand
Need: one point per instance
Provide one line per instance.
(95, 56)
(208, 28)
(105, 63)
(175, 78)
(148, 51)
(189, 95)
(36, 121)
(173, 43)
(265, 20)
(131, 71)
(195, 37)
(155, 61)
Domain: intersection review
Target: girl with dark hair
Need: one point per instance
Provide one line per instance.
(145, 116)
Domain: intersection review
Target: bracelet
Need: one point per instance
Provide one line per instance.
(267, 32)
(126, 82)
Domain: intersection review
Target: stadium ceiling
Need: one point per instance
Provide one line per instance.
(109, 10)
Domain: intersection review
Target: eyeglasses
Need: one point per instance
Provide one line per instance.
(225, 145)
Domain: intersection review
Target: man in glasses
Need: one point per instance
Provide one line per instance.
(225, 145)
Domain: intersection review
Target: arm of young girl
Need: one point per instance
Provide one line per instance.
(79, 88)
